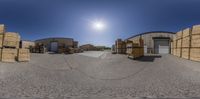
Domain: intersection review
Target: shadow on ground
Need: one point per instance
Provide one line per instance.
(148, 58)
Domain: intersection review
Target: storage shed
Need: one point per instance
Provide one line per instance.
(156, 42)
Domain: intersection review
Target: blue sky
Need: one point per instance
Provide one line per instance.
(35, 19)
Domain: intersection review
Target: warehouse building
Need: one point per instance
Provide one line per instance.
(156, 42)
(53, 44)
(88, 47)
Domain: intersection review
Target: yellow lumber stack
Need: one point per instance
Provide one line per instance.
(134, 50)
(9, 47)
(120, 46)
(11, 39)
(9, 55)
(23, 55)
(188, 43)
(2, 28)
(195, 43)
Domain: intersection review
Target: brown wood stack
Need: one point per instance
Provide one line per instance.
(185, 53)
(8, 55)
(11, 39)
(188, 45)
(9, 45)
(23, 55)
(2, 28)
(120, 46)
(195, 43)
(179, 35)
(134, 50)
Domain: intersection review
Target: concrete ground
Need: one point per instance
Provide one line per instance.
(99, 75)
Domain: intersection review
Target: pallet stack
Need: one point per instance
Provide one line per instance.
(134, 50)
(10, 51)
(120, 46)
(187, 43)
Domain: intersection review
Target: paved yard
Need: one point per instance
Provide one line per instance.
(100, 75)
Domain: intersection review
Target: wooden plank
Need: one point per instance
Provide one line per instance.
(195, 54)
(196, 29)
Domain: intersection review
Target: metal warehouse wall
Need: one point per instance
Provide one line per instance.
(148, 38)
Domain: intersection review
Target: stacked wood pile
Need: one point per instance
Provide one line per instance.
(38, 48)
(134, 50)
(9, 47)
(120, 46)
(186, 44)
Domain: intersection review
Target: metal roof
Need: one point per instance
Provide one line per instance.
(54, 38)
(150, 32)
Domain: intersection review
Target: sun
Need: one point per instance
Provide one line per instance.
(98, 25)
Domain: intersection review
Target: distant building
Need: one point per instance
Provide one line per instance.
(88, 47)
(53, 44)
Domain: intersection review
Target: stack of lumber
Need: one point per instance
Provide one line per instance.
(195, 43)
(11, 40)
(188, 43)
(23, 55)
(120, 46)
(9, 47)
(134, 50)
(38, 48)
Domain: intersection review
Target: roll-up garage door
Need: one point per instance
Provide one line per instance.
(54, 46)
(161, 46)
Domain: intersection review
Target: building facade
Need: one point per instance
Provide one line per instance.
(156, 42)
(53, 44)
(88, 47)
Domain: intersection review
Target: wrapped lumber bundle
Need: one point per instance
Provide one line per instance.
(186, 42)
(178, 52)
(133, 50)
(195, 54)
(8, 55)
(186, 32)
(11, 39)
(179, 35)
(23, 55)
(1, 40)
(195, 41)
(196, 29)
(185, 53)
(2, 28)
(195, 37)
(179, 43)
(186, 38)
